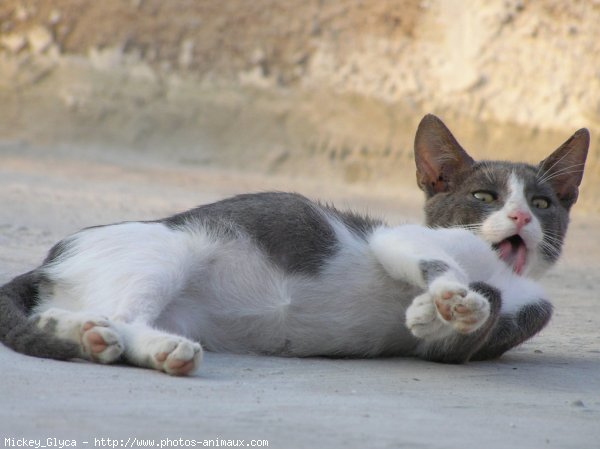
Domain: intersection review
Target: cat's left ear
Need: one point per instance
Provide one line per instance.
(563, 169)
(438, 156)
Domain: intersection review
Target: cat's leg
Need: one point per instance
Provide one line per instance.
(106, 341)
(524, 313)
(412, 254)
(96, 337)
(148, 347)
(140, 304)
(448, 304)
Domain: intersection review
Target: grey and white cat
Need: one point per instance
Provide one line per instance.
(276, 273)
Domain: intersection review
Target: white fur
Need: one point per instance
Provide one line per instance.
(164, 289)
(401, 249)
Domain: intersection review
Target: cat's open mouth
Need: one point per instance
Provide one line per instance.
(513, 251)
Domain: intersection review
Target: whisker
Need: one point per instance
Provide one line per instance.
(552, 250)
(557, 162)
(548, 243)
(563, 171)
(560, 174)
(555, 245)
(552, 243)
(469, 226)
(552, 232)
(537, 173)
(552, 239)
(487, 170)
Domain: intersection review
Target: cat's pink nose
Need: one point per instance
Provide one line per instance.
(520, 217)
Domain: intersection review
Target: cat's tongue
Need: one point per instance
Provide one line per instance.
(514, 253)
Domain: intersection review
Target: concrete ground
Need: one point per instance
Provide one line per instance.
(545, 394)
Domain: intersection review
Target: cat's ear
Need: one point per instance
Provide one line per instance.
(438, 155)
(563, 169)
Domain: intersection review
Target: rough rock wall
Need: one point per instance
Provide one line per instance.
(325, 87)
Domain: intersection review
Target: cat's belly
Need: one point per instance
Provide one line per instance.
(290, 316)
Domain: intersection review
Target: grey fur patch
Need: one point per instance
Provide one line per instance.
(293, 231)
(533, 318)
(360, 225)
(56, 252)
(431, 269)
(22, 334)
(512, 330)
(50, 326)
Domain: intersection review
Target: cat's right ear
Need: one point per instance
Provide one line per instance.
(438, 156)
(563, 169)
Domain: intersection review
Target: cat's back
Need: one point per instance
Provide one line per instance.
(296, 233)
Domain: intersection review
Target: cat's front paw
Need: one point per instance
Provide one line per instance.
(445, 308)
(423, 321)
(177, 356)
(464, 309)
(100, 342)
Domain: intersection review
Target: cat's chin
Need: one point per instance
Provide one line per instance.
(513, 251)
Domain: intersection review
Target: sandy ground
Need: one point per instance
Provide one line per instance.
(544, 394)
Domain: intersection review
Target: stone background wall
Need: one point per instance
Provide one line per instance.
(311, 87)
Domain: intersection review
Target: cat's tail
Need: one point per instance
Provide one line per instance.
(19, 332)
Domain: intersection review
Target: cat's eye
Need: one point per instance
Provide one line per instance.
(485, 197)
(540, 203)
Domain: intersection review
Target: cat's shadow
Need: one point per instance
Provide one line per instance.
(536, 370)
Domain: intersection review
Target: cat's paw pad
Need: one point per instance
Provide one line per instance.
(100, 341)
(422, 319)
(178, 356)
(465, 310)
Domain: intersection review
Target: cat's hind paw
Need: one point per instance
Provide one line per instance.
(97, 338)
(100, 342)
(177, 356)
(464, 309)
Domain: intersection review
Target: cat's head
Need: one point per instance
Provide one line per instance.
(521, 209)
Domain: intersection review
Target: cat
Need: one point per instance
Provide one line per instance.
(276, 273)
